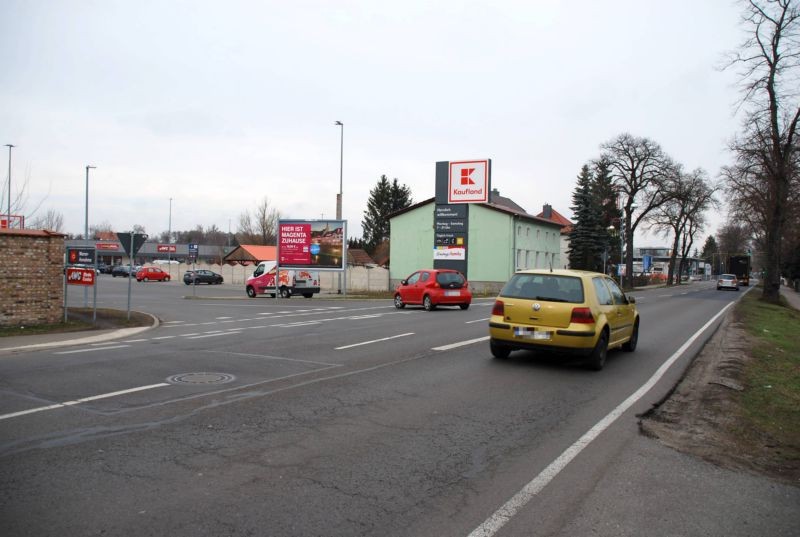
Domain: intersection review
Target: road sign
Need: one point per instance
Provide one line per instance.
(84, 256)
(80, 276)
(193, 248)
(125, 240)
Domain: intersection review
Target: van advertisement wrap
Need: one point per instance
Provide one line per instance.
(315, 244)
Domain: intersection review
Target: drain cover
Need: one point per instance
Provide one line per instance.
(201, 378)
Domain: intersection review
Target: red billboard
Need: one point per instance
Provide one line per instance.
(313, 244)
(166, 248)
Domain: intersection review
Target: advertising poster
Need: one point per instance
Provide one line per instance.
(314, 244)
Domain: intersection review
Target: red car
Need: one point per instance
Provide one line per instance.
(147, 274)
(434, 287)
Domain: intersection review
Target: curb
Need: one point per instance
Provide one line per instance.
(84, 339)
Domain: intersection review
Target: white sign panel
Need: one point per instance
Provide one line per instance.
(450, 252)
(468, 181)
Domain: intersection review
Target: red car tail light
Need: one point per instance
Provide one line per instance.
(498, 308)
(582, 316)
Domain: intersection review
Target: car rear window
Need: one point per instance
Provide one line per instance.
(451, 280)
(544, 287)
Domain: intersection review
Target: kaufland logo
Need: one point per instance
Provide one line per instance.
(469, 182)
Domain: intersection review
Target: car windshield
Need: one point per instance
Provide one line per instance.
(545, 287)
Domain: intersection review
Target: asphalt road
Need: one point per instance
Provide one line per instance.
(327, 417)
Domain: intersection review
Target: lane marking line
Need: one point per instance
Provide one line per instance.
(212, 335)
(460, 344)
(83, 400)
(93, 349)
(478, 321)
(372, 341)
(493, 524)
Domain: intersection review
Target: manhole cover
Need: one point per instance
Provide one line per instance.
(201, 378)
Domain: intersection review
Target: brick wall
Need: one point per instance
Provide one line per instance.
(31, 277)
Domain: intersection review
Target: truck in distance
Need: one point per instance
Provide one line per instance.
(739, 266)
(290, 282)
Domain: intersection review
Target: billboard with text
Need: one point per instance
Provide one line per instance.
(312, 244)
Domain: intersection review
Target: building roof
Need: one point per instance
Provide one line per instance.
(356, 256)
(497, 203)
(251, 253)
(551, 214)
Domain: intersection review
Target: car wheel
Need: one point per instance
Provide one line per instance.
(145, 279)
(308, 295)
(166, 279)
(428, 304)
(285, 293)
(251, 292)
(630, 345)
(499, 351)
(187, 282)
(718, 288)
(463, 306)
(398, 302)
(598, 357)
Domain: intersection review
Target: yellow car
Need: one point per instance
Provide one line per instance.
(575, 311)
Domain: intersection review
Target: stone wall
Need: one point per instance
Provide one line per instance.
(31, 277)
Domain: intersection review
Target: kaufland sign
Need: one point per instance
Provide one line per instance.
(468, 181)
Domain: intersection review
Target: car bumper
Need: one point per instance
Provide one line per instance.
(575, 339)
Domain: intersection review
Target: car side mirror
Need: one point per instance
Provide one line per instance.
(631, 300)
(403, 282)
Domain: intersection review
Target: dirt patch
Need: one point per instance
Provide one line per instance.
(108, 318)
(703, 416)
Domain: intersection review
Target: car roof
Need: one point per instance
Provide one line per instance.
(560, 272)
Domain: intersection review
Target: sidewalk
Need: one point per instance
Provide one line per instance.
(791, 296)
(15, 344)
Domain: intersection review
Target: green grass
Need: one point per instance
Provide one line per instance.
(771, 401)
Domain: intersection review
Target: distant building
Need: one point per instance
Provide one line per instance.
(503, 237)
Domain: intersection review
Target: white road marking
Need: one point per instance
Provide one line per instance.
(164, 337)
(493, 524)
(460, 344)
(92, 350)
(213, 335)
(134, 340)
(478, 321)
(373, 341)
(83, 400)
(220, 318)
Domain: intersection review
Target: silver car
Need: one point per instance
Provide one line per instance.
(727, 281)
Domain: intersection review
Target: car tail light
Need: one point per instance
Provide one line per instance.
(498, 308)
(582, 316)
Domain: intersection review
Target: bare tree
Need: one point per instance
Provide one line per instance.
(682, 215)
(640, 170)
(51, 219)
(769, 60)
(261, 227)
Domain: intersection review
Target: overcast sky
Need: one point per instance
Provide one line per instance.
(219, 104)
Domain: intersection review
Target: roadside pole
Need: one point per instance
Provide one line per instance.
(130, 276)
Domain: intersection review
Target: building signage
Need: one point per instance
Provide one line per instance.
(80, 276)
(313, 244)
(450, 253)
(84, 256)
(107, 245)
(468, 181)
(166, 248)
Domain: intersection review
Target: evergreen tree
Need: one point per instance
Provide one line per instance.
(710, 253)
(605, 197)
(385, 199)
(585, 249)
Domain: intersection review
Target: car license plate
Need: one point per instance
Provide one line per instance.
(452, 293)
(530, 333)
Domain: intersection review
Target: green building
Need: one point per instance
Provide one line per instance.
(502, 237)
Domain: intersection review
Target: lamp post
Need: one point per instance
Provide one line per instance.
(8, 222)
(169, 239)
(86, 231)
(339, 196)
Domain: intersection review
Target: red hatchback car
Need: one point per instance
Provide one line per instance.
(434, 287)
(148, 274)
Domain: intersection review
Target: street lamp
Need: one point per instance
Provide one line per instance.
(8, 222)
(86, 233)
(339, 196)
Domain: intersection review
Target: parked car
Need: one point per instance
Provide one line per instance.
(573, 311)
(434, 287)
(201, 276)
(121, 270)
(146, 274)
(727, 281)
(103, 268)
